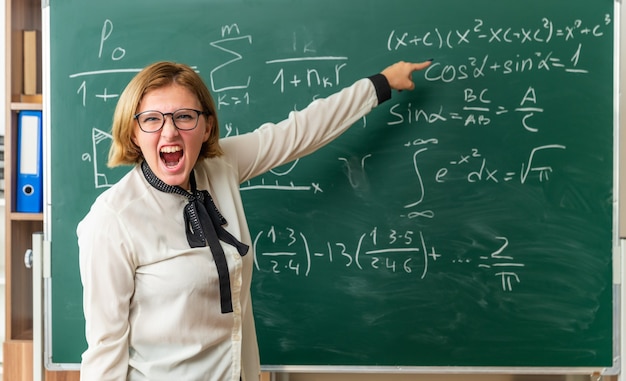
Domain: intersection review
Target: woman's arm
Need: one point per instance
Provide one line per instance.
(107, 274)
(305, 131)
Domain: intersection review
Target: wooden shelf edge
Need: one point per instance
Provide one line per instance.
(19, 106)
(18, 341)
(26, 216)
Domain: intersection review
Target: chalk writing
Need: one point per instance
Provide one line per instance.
(478, 110)
(287, 251)
(541, 48)
(544, 33)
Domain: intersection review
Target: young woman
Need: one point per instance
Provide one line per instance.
(165, 254)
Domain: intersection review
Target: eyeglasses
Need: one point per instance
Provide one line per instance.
(184, 119)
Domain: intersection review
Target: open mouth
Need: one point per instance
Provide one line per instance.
(171, 155)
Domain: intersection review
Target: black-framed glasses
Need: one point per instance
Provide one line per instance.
(184, 119)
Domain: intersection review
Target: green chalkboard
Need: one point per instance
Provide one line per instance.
(468, 223)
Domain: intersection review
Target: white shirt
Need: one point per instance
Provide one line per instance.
(151, 302)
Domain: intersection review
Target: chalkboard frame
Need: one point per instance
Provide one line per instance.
(617, 292)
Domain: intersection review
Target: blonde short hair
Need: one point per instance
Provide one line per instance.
(160, 74)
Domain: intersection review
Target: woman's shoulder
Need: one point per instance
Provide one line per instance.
(216, 168)
(130, 187)
(109, 209)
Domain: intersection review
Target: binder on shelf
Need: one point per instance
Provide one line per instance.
(29, 179)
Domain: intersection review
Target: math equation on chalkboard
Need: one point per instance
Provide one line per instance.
(492, 132)
(403, 252)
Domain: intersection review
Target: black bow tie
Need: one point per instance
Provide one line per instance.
(204, 226)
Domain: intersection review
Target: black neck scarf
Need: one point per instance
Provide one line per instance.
(203, 225)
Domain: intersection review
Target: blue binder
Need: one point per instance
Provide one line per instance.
(29, 181)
